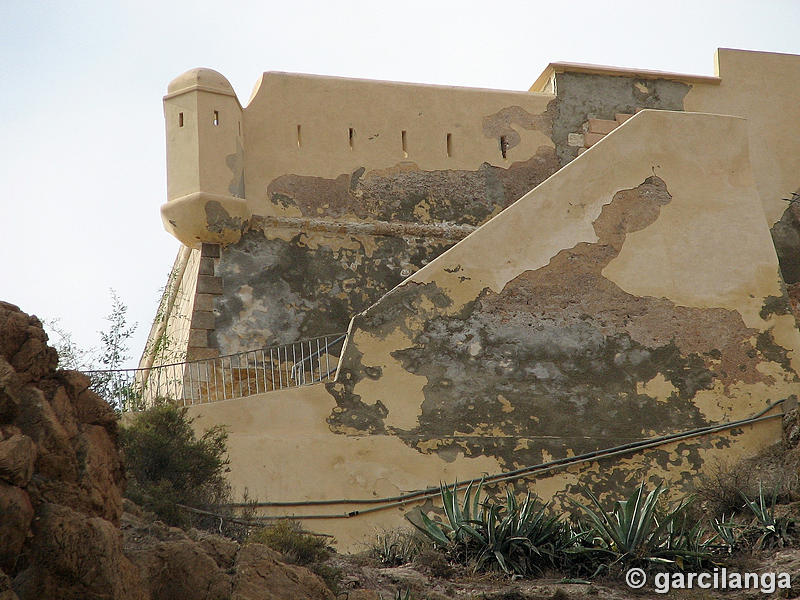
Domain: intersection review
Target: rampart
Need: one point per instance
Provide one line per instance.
(526, 276)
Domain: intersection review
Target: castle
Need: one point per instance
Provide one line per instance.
(581, 283)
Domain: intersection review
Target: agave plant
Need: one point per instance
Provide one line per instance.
(767, 530)
(460, 519)
(727, 532)
(517, 538)
(635, 531)
(396, 547)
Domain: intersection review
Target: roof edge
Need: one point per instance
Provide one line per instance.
(541, 83)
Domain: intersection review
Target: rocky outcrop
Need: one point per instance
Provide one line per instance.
(196, 565)
(61, 505)
(61, 476)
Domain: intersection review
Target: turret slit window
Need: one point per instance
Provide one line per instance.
(351, 134)
(403, 143)
(216, 117)
(180, 119)
(449, 144)
(299, 137)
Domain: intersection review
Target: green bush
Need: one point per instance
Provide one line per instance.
(168, 465)
(288, 538)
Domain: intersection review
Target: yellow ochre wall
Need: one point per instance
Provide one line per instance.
(327, 108)
(634, 293)
(762, 88)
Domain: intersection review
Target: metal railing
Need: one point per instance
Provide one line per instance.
(224, 377)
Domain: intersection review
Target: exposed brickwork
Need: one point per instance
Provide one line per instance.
(590, 139)
(203, 318)
(210, 250)
(204, 302)
(206, 266)
(602, 126)
(208, 284)
(198, 338)
(595, 130)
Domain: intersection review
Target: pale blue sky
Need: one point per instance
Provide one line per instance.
(82, 148)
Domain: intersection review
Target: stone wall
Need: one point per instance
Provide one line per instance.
(602, 308)
(348, 202)
(356, 238)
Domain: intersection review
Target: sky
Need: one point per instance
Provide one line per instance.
(82, 155)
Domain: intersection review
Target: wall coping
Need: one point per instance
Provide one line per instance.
(541, 83)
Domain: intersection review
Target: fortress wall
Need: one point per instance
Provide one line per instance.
(281, 449)
(759, 86)
(335, 227)
(350, 126)
(336, 206)
(610, 292)
(358, 236)
(762, 86)
(606, 306)
(169, 335)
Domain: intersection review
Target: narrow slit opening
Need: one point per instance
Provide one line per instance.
(449, 144)
(216, 117)
(503, 146)
(239, 125)
(299, 138)
(403, 143)
(180, 119)
(351, 134)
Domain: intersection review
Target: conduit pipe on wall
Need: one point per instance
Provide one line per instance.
(419, 495)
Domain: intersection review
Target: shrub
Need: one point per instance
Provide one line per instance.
(167, 465)
(288, 538)
(397, 547)
(300, 548)
(719, 490)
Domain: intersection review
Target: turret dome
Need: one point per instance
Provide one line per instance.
(200, 78)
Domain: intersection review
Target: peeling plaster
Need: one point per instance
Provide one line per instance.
(582, 364)
(582, 96)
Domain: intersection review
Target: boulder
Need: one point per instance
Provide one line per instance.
(17, 457)
(17, 513)
(260, 575)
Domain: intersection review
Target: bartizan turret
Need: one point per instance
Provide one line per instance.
(205, 160)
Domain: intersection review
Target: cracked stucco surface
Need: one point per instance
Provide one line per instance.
(601, 308)
(281, 285)
(521, 353)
